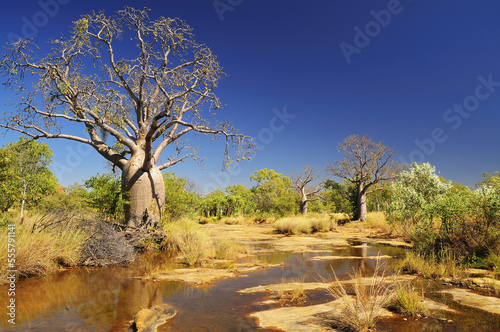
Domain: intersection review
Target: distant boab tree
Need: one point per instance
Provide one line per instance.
(137, 86)
(301, 184)
(365, 164)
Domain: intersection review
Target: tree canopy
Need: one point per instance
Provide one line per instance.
(24, 176)
(137, 86)
(365, 164)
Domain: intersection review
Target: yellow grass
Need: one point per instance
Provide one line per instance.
(305, 224)
(41, 252)
(375, 221)
(362, 310)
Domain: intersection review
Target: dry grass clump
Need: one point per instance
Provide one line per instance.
(362, 310)
(237, 220)
(323, 223)
(39, 252)
(305, 224)
(186, 237)
(294, 296)
(408, 302)
(433, 267)
(293, 225)
(226, 249)
(375, 221)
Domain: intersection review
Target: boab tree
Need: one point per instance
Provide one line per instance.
(301, 184)
(138, 86)
(365, 164)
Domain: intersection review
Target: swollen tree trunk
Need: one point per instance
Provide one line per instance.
(145, 192)
(303, 205)
(361, 203)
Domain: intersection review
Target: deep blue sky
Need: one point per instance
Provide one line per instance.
(397, 87)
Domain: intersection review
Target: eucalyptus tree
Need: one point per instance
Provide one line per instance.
(25, 176)
(365, 164)
(136, 87)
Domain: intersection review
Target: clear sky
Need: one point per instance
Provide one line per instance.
(421, 76)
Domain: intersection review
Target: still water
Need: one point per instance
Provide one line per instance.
(106, 299)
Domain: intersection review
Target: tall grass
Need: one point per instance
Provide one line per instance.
(305, 224)
(38, 253)
(186, 237)
(362, 310)
(408, 302)
(432, 267)
(375, 221)
(226, 249)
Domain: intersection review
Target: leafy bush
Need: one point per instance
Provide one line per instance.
(414, 195)
(445, 218)
(106, 195)
(179, 200)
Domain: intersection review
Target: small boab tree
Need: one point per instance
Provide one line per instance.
(365, 164)
(137, 87)
(301, 184)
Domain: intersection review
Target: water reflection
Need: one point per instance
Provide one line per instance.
(105, 299)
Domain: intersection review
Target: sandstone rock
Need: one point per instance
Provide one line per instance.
(148, 320)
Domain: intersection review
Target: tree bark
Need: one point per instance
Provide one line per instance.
(303, 205)
(145, 192)
(361, 203)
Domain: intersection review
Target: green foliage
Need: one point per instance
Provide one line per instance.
(179, 201)
(339, 197)
(446, 219)
(8, 188)
(273, 193)
(105, 195)
(217, 204)
(243, 199)
(378, 200)
(72, 198)
(24, 174)
(414, 194)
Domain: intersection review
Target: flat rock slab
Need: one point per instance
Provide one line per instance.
(486, 282)
(433, 305)
(471, 299)
(302, 319)
(199, 276)
(307, 286)
(327, 258)
(204, 276)
(148, 320)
